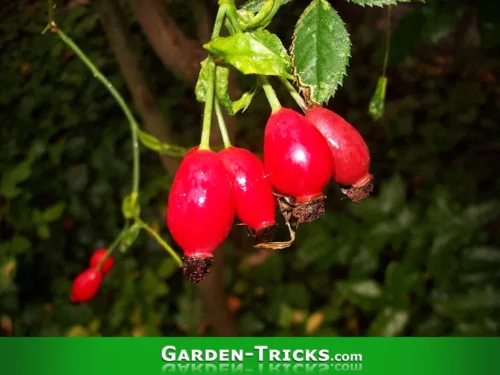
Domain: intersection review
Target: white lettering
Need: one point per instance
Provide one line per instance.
(260, 349)
(295, 356)
(286, 353)
(210, 355)
(170, 357)
(236, 355)
(310, 355)
(324, 355)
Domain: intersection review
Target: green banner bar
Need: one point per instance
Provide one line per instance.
(384, 356)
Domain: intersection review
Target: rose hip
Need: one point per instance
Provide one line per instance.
(86, 285)
(298, 162)
(96, 259)
(351, 157)
(200, 210)
(255, 202)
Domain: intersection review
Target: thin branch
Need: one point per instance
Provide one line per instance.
(120, 41)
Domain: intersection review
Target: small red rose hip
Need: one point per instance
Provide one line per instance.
(298, 162)
(253, 194)
(96, 258)
(200, 210)
(351, 157)
(86, 285)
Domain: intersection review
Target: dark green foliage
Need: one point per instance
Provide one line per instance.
(419, 257)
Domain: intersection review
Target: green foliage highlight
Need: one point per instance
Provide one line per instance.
(377, 103)
(163, 148)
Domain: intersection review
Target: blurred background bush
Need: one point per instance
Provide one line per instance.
(421, 257)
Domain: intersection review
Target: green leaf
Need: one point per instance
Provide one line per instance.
(13, 177)
(256, 5)
(43, 231)
(130, 206)
(202, 83)
(483, 255)
(392, 195)
(244, 102)
(221, 86)
(273, 42)
(249, 55)
(481, 213)
(364, 263)
(321, 49)
(389, 322)
(162, 148)
(129, 237)
(376, 107)
(54, 212)
(475, 301)
(190, 314)
(365, 293)
(286, 315)
(20, 244)
(378, 3)
(167, 268)
(154, 285)
(7, 272)
(399, 282)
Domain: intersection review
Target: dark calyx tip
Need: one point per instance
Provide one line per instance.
(195, 268)
(310, 210)
(358, 193)
(264, 234)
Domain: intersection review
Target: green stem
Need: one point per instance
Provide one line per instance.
(387, 40)
(233, 15)
(294, 94)
(112, 247)
(271, 96)
(222, 125)
(121, 102)
(209, 100)
(160, 240)
(51, 17)
(207, 113)
(219, 20)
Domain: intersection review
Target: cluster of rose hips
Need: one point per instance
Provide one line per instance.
(302, 153)
(87, 283)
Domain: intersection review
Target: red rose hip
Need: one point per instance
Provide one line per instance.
(351, 157)
(253, 194)
(200, 210)
(86, 285)
(96, 258)
(298, 162)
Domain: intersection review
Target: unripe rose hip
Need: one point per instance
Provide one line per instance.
(351, 157)
(200, 210)
(298, 162)
(96, 259)
(86, 285)
(253, 194)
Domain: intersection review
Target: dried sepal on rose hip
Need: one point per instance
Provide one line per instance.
(253, 194)
(298, 162)
(86, 285)
(200, 210)
(96, 258)
(351, 157)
